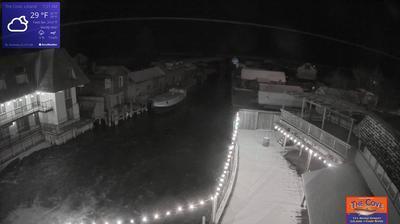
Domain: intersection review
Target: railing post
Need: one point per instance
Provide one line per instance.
(323, 119)
(350, 131)
(308, 162)
(213, 209)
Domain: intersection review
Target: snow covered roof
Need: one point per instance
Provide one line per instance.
(146, 74)
(263, 75)
(326, 190)
(49, 70)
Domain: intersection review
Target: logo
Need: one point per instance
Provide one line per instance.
(362, 210)
(18, 24)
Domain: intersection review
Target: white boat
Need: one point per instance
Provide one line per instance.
(168, 100)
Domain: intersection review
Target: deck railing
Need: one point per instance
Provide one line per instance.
(333, 143)
(26, 110)
(220, 203)
(12, 147)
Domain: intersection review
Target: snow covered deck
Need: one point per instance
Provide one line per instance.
(266, 190)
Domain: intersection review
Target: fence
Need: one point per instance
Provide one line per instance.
(11, 148)
(390, 188)
(333, 143)
(258, 119)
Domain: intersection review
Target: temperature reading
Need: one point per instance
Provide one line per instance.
(35, 15)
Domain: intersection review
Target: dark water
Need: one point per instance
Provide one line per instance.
(150, 163)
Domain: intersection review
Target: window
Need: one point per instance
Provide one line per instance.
(107, 83)
(2, 108)
(121, 81)
(21, 77)
(20, 105)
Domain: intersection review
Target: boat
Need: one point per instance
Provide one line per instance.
(167, 101)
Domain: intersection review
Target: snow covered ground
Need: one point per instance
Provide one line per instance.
(267, 190)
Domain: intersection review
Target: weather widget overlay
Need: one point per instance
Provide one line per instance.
(31, 24)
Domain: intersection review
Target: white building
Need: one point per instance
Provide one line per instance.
(38, 101)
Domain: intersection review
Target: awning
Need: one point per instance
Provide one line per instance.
(326, 190)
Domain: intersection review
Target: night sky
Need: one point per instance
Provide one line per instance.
(372, 23)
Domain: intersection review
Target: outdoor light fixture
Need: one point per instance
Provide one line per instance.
(156, 216)
(144, 219)
(191, 206)
(329, 164)
(119, 222)
(168, 213)
(201, 202)
(132, 221)
(179, 208)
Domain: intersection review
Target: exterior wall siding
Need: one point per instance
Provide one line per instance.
(383, 145)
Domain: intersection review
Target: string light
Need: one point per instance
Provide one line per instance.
(299, 143)
(191, 206)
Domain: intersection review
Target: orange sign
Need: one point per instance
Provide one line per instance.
(360, 209)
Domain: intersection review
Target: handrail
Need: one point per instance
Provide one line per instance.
(335, 144)
(226, 194)
(26, 110)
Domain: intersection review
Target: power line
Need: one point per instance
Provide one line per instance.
(232, 22)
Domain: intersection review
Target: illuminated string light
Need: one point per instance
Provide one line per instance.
(191, 206)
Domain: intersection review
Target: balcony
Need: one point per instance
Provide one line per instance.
(26, 110)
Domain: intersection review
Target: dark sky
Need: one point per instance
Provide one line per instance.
(373, 23)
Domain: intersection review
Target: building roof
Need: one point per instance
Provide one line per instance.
(49, 70)
(279, 88)
(262, 75)
(146, 74)
(326, 190)
(114, 70)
